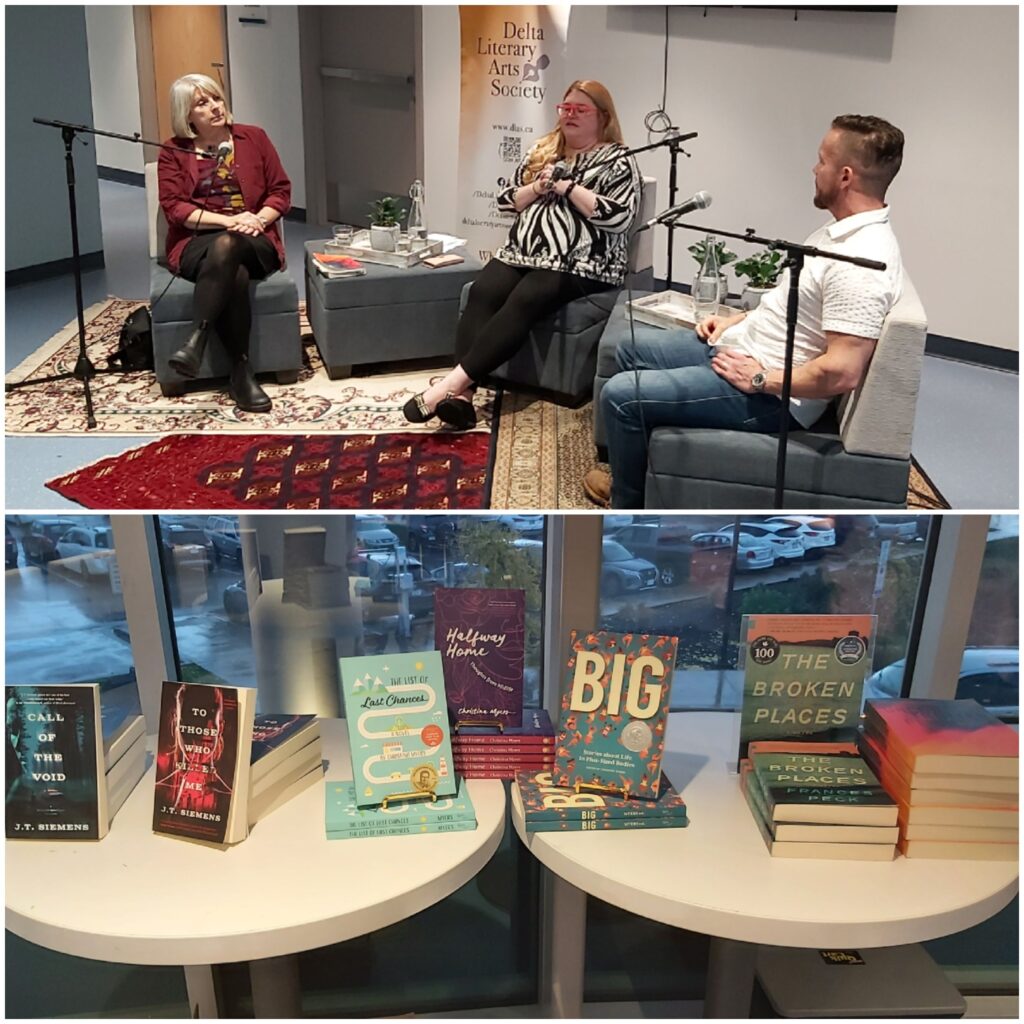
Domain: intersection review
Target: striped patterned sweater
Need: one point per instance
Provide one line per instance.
(551, 234)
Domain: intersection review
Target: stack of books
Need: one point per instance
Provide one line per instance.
(549, 808)
(818, 800)
(343, 819)
(482, 753)
(333, 265)
(124, 757)
(952, 767)
(286, 759)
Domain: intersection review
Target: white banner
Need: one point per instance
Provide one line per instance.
(513, 74)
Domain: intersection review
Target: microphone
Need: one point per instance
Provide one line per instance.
(560, 171)
(223, 152)
(700, 201)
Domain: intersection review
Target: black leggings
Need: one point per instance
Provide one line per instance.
(222, 263)
(504, 303)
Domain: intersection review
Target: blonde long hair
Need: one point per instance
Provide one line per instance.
(551, 147)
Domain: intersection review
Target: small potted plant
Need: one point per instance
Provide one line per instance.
(724, 256)
(763, 270)
(384, 223)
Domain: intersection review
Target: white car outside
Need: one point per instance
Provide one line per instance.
(784, 540)
(86, 550)
(814, 531)
(752, 552)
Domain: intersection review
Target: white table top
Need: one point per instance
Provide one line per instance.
(716, 876)
(135, 897)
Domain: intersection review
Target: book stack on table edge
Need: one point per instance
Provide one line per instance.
(287, 757)
(818, 800)
(482, 753)
(952, 768)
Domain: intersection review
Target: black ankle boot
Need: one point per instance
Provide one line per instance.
(187, 359)
(245, 391)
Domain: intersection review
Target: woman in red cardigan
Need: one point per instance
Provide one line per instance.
(222, 214)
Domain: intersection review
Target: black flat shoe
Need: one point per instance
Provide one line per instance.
(187, 359)
(415, 411)
(245, 391)
(456, 412)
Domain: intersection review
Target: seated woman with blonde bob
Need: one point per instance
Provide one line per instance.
(570, 238)
(222, 212)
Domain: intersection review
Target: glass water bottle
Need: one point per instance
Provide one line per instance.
(417, 227)
(706, 283)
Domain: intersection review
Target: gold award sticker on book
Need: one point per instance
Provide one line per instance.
(637, 736)
(764, 650)
(424, 778)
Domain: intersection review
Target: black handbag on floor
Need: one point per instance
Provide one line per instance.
(135, 345)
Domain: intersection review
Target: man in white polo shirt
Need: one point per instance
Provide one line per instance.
(728, 373)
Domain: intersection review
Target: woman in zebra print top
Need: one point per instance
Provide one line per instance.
(570, 238)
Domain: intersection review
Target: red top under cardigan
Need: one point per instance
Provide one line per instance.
(260, 176)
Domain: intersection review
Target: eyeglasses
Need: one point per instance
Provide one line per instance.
(569, 109)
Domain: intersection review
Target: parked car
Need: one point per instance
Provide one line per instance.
(187, 546)
(523, 523)
(622, 572)
(898, 528)
(671, 557)
(752, 552)
(10, 549)
(385, 583)
(86, 550)
(989, 675)
(222, 533)
(815, 532)
(374, 533)
(39, 542)
(784, 540)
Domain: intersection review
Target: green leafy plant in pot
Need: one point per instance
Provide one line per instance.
(699, 251)
(762, 270)
(385, 215)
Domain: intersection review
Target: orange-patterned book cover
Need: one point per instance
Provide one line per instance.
(955, 736)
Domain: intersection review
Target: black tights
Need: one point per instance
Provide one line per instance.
(222, 274)
(503, 304)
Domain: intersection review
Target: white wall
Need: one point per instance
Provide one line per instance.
(265, 85)
(761, 90)
(114, 81)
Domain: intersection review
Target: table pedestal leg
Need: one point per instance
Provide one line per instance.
(202, 995)
(276, 991)
(730, 981)
(565, 933)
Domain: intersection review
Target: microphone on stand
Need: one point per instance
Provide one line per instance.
(223, 152)
(700, 201)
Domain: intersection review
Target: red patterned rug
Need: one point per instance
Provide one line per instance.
(245, 471)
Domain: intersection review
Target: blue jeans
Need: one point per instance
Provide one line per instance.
(677, 388)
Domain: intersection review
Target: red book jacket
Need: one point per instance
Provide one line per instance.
(260, 176)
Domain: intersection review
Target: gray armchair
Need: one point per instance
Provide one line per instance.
(274, 342)
(857, 456)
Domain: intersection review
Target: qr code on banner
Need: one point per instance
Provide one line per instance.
(512, 149)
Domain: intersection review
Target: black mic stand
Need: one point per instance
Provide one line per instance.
(84, 369)
(796, 253)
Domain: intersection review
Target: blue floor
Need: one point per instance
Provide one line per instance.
(965, 435)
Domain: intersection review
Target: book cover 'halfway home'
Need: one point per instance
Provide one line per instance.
(52, 762)
(615, 700)
(397, 726)
(196, 758)
(803, 676)
(481, 635)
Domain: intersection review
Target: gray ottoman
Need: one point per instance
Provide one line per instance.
(274, 343)
(389, 314)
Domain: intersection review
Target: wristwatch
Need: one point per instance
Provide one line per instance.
(568, 191)
(758, 381)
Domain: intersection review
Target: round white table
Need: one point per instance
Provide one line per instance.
(139, 898)
(716, 877)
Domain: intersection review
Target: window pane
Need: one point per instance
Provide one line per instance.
(63, 593)
(695, 577)
(990, 669)
(273, 602)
